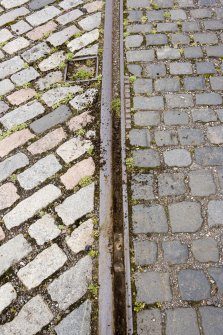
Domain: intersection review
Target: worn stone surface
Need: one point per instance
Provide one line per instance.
(185, 216)
(205, 250)
(86, 39)
(77, 205)
(39, 172)
(18, 97)
(193, 285)
(7, 295)
(149, 219)
(15, 140)
(11, 164)
(149, 322)
(175, 252)
(44, 265)
(44, 229)
(153, 287)
(8, 195)
(181, 321)
(145, 252)
(33, 316)
(142, 187)
(25, 76)
(78, 321)
(81, 237)
(10, 66)
(211, 320)
(31, 205)
(13, 251)
(73, 149)
(72, 284)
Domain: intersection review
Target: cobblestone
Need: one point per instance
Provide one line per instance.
(149, 219)
(10, 66)
(44, 265)
(175, 252)
(11, 164)
(72, 284)
(142, 187)
(145, 252)
(7, 294)
(149, 321)
(8, 195)
(14, 141)
(73, 149)
(36, 52)
(215, 211)
(185, 216)
(25, 76)
(205, 250)
(211, 320)
(193, 285)
(33, 316)
(13, 251)
(77, 205)
(202, 183)
(182, 320)
(82, 237)
(78, 321)
(31, 205)
(44, 230)
(177, 157)
(43, 15)
(171, 184)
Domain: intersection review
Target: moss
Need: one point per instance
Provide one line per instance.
(13, 130)
(64, 101)
(126, 34)
(138, 306)
(154, 5)
(116, 106)
(144, 19)
(167, 14)
(81, 132)
(13, 178)
(85, 181)
(132, 79)
(62, 66)
(93, 253)
(93, 289)
(25, 66)
(82, 74)
(69, 56)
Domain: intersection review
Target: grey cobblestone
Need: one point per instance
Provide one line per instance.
(142, 186)
(140, 137)
(175, 118)
(193, 285)
(171, 184)
(202, 183)
(175, 252)
(10, 66)
(149, 321)
(205, 250)
(145, 252)
(180, 321)
(190, 136)
(211, 320)
(146, 158)
(166, 138)
(177, 157)
(11, 164)
(42, 16)
(185, 217)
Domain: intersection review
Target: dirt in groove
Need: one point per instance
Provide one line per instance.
(118, 261)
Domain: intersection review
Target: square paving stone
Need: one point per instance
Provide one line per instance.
(202, 183)
(215, 213)
(205, 250)
(140, 137)
(149, 322)
(211, 318)
(146, 158)
(171, 184)
(145, 252)
(194, 285)
(149, 219)
(217, 275)
(215, 134)
(175, 252)
(142, 187)
(153, 287)
(185, 217)
(182, 321)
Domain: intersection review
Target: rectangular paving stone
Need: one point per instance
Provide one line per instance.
(84, 40)
(59, 115)
(37, 4)
(175, 117)
(145, 252)
(140, 56)
(44, 230)
(157, 39)
(73, 149)
(180, 68)
(149, 219)
(91, 22)
(62, 36)
(8, 4)
(39, 315)
(167, 84)
(168, 53)
(214, 51)
(69, 17)
(215, 213)
(21, 27)
(36, 52)
(48, 142)
(72, 284)
(216, 83)
(55, 95)
(171, 184)
(205, 249)
(25, 76)
(12, 15)
(43, 15)
(52, 61)
(13, 251)
(180, 321)
(191, 136)
(39, 32)
(151, 118)
(77, 205)
(206, 38)
(31, 205)
(167, 27)
(205, 67)
(155, 70)
(43, 266)
(185, 217)
(11, 66)
(140, 137)
(208, 99)
(193, 52)
(203, 115)
(133, 41)
(6, 86)
(179, 100)
(149, 322)
(16, 45)
(73, 175)
(209, 156)
(211, 320)
(22, 114)
(202, 183)
(80, 121)
(194, 285)
(190, 26)
(142, 186)
(146, 158)
(51, 78)
(81, 237)
(175, 252)
(39, 172)
(14, 141)
(148, 103)
(5, 35)
(153, 287)
(79, 320)
(67, 4)
(11, 164)
(194, 84)
(7, 294)
(139, 28)
(165, 138)
(21, 96)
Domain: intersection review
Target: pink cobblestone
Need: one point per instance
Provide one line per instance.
(80, 170)
(48, 142)
(14, 141)
(8, 195)
(21, 96)
(39, 32)
(80, 121)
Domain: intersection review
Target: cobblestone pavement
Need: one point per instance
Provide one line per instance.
(48, 168)
(174, 52)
